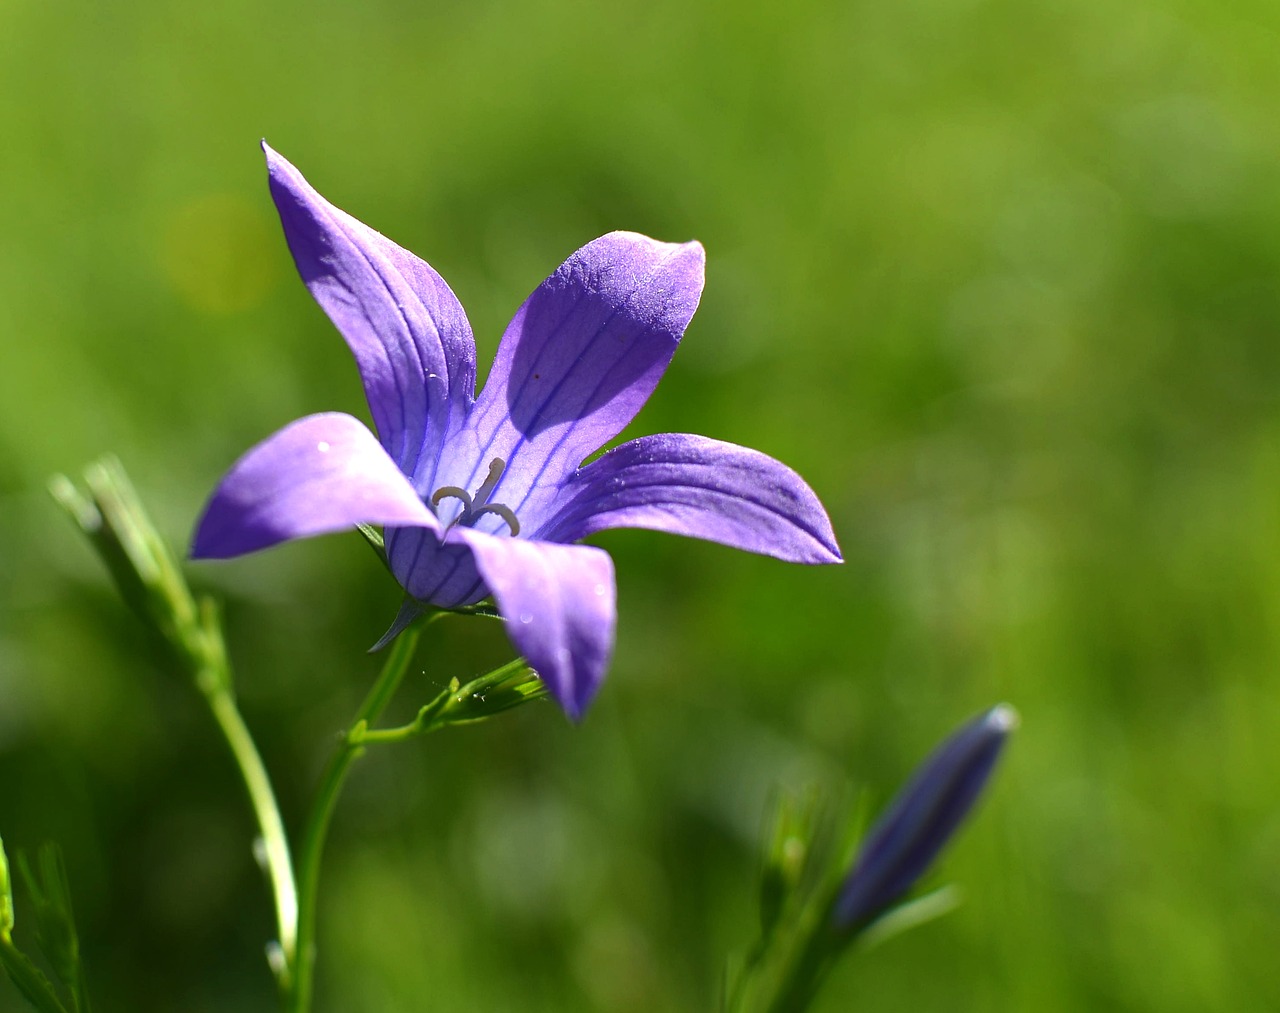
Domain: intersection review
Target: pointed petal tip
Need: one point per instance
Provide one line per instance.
(318, 475)
(273, 157)
(278, 166)
(828, 552)
(559, 606)
(200, 548)
(1003, 718)
(695, 486)
(827, 549)
(574, 710)
(217, 535)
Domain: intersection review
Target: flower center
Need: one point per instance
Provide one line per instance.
(476, 506)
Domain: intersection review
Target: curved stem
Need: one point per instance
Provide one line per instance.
(199, 642)
(270, 824)
(317, 828)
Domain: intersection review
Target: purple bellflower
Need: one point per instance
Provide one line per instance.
(485, 496)
(922, 819)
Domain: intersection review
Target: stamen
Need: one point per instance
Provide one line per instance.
(474, 506)
(445, 491)
(505, 512)
(452, 491)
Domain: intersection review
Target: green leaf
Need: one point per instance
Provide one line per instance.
(6, 897)
(33, 985)
(55, 923)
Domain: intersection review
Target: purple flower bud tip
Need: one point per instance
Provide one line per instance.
(922, 818)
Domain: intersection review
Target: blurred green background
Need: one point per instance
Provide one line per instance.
(1000, 279)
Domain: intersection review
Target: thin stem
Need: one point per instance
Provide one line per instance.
(270, 825)
(803, 977)
(317, 828)
(151, 582)
(506, 686)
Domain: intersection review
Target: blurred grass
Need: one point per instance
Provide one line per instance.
(1000, 279)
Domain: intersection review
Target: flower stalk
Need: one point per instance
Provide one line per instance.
(349, 749)
(151, 582)
(190, 631)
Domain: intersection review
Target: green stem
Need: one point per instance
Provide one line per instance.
(298, 999)
(151, 582)
(267, 812)
(806, 972)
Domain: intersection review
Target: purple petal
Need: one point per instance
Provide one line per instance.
(923, 817)
(441, 573)
(559, 605)
(320, 474)
(407, 330)
(690, 485)
(578, 360)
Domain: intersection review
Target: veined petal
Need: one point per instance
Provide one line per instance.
(691, 485)
(579, 359)
(923, 817)
(319, 474)
(407, 330)
(559, 603)
(442, 573)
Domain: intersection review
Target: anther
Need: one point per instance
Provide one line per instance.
(474, 506)
(446, 491)
(505, 512)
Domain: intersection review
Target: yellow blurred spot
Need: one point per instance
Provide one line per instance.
(217, 252)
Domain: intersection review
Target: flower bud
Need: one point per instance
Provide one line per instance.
(926, 813)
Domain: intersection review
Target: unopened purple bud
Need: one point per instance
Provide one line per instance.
(906, 839)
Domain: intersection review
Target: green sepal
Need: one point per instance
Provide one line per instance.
(909, 915)
(376, 542)
(483, 609)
